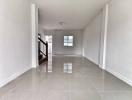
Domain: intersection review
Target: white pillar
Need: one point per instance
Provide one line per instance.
(34, 22)
(103, 37)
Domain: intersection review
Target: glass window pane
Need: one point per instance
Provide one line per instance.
(65, 37)
(65, 44)
(65, 41)
(70, 37)
(70, 44)
(70, 40)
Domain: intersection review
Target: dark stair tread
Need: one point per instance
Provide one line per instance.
(40, 57)
(42, 60)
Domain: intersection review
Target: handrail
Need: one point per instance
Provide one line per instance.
(42, 53)
(42, 41)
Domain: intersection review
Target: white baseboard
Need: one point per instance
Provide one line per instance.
(102, 66)
(120, 76)
(116, 74)
(67, 55)
(12, 77)
(91, 61)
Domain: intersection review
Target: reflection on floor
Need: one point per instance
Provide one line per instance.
(67, 67)
(66, 78)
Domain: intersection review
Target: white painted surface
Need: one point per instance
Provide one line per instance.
(14, 76)
(34, 20)
(120, 76)
(119, 39)
(75, 14)
(58, 42)
(91, 39)
(15, 39)
(103, 37)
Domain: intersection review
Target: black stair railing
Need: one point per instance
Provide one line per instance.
(40, 52)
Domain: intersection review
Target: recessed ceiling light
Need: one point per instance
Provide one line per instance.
(61, 23)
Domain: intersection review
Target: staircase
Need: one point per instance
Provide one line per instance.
(42, 52)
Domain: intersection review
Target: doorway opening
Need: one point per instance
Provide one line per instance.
(48, 39)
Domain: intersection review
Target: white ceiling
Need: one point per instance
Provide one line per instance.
(74, 13)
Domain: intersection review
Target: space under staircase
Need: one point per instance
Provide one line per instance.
(42, 50)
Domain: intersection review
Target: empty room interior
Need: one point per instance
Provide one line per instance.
(65, 50)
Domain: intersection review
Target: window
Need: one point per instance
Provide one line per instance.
(68, 41)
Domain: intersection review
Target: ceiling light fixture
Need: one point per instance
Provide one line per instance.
(61, 23)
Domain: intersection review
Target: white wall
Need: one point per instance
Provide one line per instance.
(15, 39)
(116, 33)
(58, 42)
(119, 39)
(91, 39)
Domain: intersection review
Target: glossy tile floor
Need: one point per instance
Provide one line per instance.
(66, 78)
